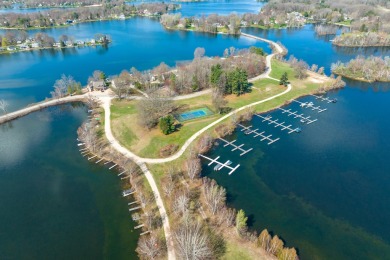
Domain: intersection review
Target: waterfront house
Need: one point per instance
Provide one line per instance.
(11, 48)
(35, 45)
(79, 42)
(97, 85)
(122, 17)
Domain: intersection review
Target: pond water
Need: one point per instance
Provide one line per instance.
(53, 201)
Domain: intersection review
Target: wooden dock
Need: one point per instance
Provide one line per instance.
(135, 208)
(304, 119)
(248, 130)
(311, 106)
(236, 147)
(282, 125)
(220, 164)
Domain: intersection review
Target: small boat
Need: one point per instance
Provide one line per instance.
(334, 100)
(298, 130)
(303, 120)
(303, 104)
(247, 132)
(217, 167)
(268, 117)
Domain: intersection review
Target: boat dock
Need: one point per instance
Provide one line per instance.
(264, 137)
(325, 99)
(311, 106)
(127, 192)
(236, 147)
(220, 165)
(282, 125)
(304, 119)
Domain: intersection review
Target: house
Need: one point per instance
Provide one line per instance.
(57, 44)
(93, 41)
(69, 43)
(97, 85)
(122, 17)
(79, 42)
(35, 45)
(11, 48)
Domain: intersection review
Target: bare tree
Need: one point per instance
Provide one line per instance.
(180, 204)
(192, 242)
(3, 106)
(149, 247)
(227, 217)
(193, 167)
(205, 143)
(152, 108)
(218, 100)
(168, 182)
(215, 195)
(275, 245)
(264, 240)
(64, 86)
(199, 52)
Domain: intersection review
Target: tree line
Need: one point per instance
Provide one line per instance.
(47, 3)
(58, 17)
(11, 38)
(362, 39)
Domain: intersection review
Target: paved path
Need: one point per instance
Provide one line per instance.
(39, 106)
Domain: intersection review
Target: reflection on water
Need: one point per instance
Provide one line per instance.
(53, 201)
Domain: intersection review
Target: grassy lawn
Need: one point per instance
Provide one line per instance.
(234, 251)
(148, 144)
(278, 68)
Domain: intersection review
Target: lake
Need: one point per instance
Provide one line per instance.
(54, 203)
(140, 42)
(325, 190)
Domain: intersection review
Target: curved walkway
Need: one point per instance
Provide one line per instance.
(141, 161)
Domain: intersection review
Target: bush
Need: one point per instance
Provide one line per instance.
(168, 150)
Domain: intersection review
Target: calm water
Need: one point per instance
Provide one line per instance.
(188, 9)
(304, 44)
(325, 190)
(53, 201)
(139, 42)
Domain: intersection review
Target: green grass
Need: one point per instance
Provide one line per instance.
(149, 143)
(345, 23)
(278, 68)
(233, 252)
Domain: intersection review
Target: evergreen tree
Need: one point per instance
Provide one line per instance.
(216, 72)
(241, 220)
(284, 80)
(167, 124)
(237, 82)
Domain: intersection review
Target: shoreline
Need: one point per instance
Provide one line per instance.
(51, 48)
(360, 79)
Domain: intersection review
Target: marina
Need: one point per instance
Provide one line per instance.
(235, 147)
(220, 165)
(247, 130)
(304, 119)
(282, 125)
(310, 105)
(325, 99)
